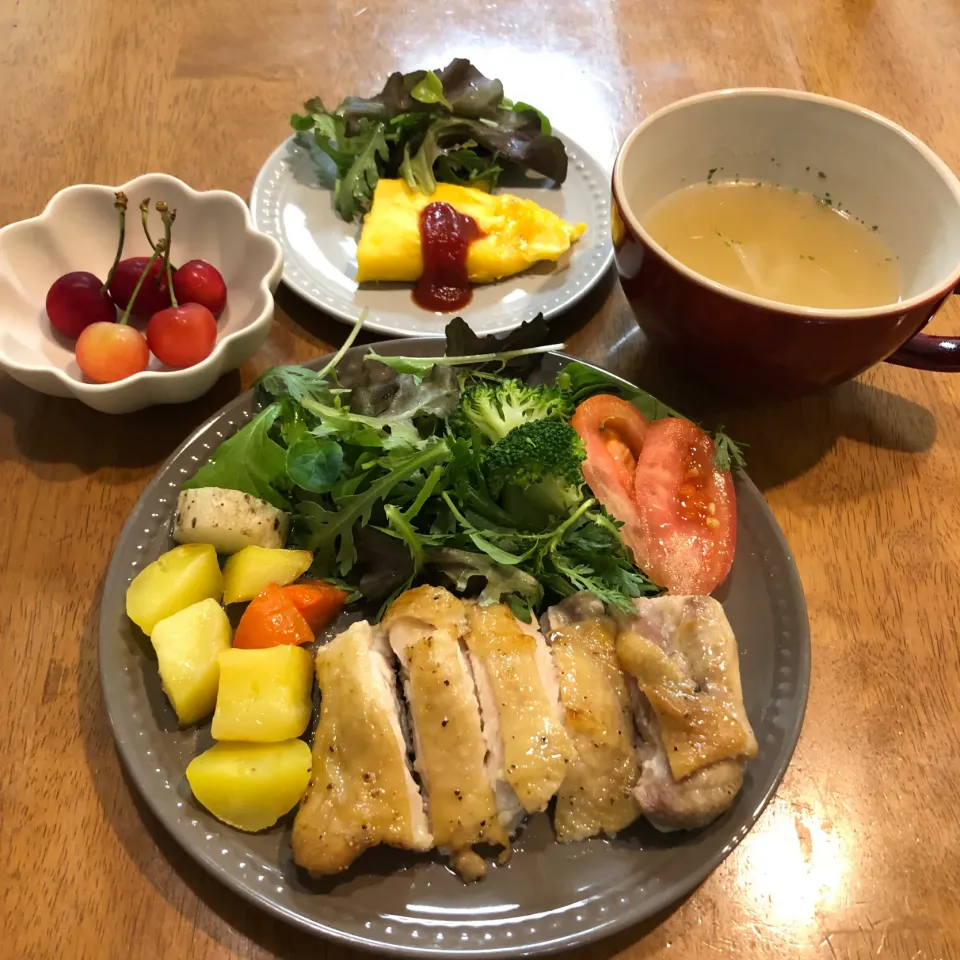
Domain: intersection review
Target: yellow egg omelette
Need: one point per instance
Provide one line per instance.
(517, 233)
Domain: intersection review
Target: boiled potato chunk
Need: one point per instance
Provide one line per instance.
(247, 572)
(264, 695)
(182, 576)
(188, 645)
(251, 785)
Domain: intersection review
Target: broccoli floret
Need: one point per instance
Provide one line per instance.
(536, 464)
(491, 410)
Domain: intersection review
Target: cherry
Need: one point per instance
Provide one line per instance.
(153, 295)
(76, 300)
(107, 352)
(183, 335)
(200, 282)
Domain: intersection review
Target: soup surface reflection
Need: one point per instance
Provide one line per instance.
(776, 243)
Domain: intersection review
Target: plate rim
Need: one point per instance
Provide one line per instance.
(632, 914)
(566, 299)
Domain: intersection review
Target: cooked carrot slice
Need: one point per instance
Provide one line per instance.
(319, 602)
(271, 618)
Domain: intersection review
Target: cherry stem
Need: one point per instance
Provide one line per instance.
(144, 214)
(157, 252)
(120, 205)
(167, 216)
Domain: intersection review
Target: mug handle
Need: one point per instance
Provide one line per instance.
(923, 351)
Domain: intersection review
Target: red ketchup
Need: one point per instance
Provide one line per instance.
(445, 237)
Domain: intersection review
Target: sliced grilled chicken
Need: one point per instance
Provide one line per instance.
(529, 751)
(425, 626)
(683, 656)
(685, 804)
(509, 808)
(361, 790)
(597, 795)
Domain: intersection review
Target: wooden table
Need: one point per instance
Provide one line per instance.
(858, 854)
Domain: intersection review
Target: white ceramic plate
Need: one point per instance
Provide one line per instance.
(291, 204)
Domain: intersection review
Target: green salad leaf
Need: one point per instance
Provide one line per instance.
(314, 464)
(727, 454)
(516, 137)
(421, 366)
(353, 192)
(249, 461)
(453, 125)
(435, 395)
(520, 106)
(583, 381)
(339, 420)
(463, 342)
(329, 530)
(520, 589)
(398, 470)
(589, 555)
(429, 89)
(466, 168)
(298, 383)
(470, 92)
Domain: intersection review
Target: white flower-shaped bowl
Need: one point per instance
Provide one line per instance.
(78, 231)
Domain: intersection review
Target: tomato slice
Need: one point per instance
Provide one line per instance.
(687, 509)
(613, 432)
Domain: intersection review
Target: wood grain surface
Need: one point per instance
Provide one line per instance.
(859, 854)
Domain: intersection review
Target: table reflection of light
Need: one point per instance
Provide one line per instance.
(569, 80)
(797, 867)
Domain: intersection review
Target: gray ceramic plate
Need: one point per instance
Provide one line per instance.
(549, 896)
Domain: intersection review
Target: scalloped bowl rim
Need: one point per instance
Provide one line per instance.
(82, 388)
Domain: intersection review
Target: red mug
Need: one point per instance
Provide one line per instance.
(874, 168)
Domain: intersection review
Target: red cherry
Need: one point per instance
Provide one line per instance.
(76, 300)
(154, 295)
(182, 336)
(107, 352)
(200, 282)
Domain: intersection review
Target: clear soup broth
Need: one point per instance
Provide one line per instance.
(776, 243)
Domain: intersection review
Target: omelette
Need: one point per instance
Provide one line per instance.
(515, 233)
